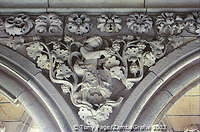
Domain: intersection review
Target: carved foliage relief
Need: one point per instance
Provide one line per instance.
(48, 23)
(18, 25)
(86, 67)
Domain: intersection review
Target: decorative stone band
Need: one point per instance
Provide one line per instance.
(164, 24)
(87, 65)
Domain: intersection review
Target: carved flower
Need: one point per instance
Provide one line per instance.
(34, 50)
(78, 24)
(109, 23)
(192, 23)
(18, 25)
(169, 24)
(43, 62)
(61, 55)
(139, 23)
(48, 23)
(111, 62)
(63, 72)
(149, 59)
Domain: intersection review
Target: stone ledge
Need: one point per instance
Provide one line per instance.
(92, 10)
(172, 3)
(23, 3)
(96, 3)
(99, 4)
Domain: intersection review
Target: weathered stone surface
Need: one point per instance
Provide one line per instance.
(159, 102)
(99, 61)
(33, 106)
(8, 56)
(55, 101)
(97, 3)
(10, 84)
(172, 4)
(133, 98)
(23, 3)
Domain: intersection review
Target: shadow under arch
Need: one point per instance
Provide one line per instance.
(170, 78)
(22, 81)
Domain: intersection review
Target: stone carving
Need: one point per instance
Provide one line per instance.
(16, 42)
(139, 23)
(48, 23)
(166, 24)
(192, 23)
(109, 23)
(78, 24)
(169, 24)
(18, 25)
(87, 72)
(86, 68)
(89, 87)
(1, 25)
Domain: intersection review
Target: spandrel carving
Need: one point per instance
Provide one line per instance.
(86, 73)
(86, 64)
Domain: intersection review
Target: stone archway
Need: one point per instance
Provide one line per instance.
(22, 82)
